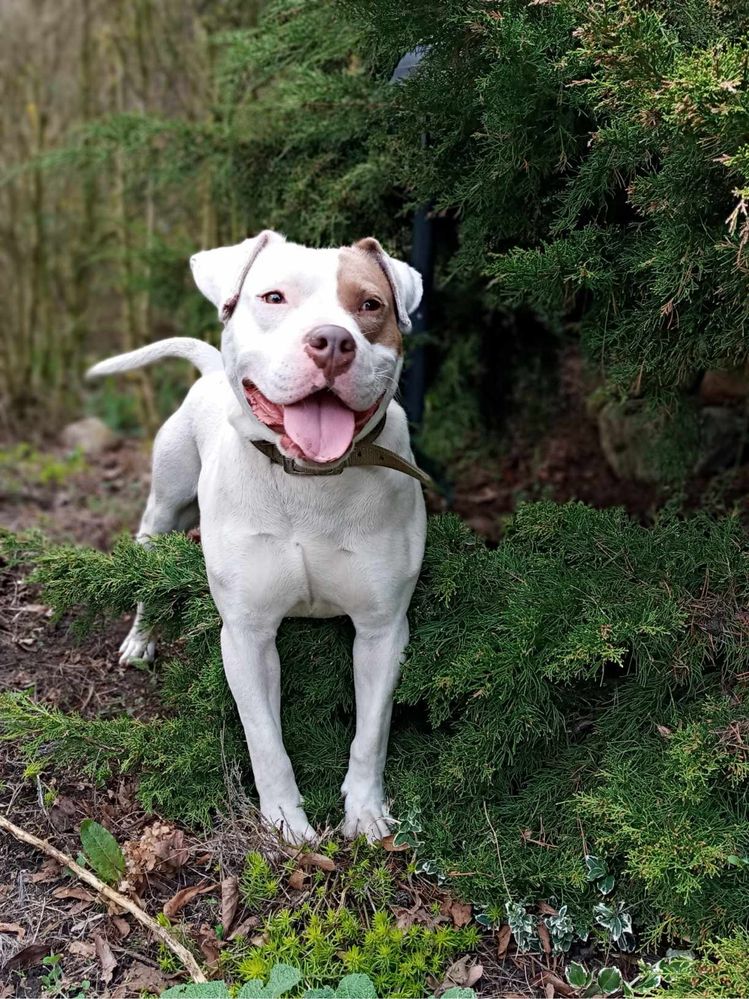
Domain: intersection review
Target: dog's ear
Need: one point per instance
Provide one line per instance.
(220, 273)
(405, 282)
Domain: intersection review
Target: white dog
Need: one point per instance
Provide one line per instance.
(301, 513)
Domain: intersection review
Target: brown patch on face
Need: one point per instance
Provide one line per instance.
(360, 278)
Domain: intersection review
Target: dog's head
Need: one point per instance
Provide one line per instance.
(312, 340)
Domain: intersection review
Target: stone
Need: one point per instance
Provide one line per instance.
(91, 436)
(719, 388)
(626, 433)
(722, 438)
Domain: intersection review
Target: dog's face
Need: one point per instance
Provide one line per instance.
(312, 344)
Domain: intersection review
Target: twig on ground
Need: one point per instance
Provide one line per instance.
(111, 894)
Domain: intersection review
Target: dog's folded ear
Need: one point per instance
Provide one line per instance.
(220, 273)
(405, 282)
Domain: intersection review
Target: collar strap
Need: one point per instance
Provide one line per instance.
(364, 452)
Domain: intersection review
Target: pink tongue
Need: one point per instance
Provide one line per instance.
(320, 425)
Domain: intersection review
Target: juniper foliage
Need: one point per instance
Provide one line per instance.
(579, 690)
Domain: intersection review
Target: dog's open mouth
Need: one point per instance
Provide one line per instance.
(319, 428)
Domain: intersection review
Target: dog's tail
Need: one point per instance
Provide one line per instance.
(205, 357)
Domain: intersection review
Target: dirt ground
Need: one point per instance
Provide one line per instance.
(44, 910)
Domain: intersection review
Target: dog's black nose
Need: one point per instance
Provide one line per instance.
(332, 348)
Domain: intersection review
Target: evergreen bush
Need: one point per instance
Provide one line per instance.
(579, 691)
(592, 155)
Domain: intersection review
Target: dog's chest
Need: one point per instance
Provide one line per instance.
(302, 547)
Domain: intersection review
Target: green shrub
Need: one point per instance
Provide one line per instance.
(722, 970)
(579, 690)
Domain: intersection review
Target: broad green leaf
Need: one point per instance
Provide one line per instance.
(102, 851)
(577, 975)
(324, 993)
(356, 986)
(282, 978)
(254, 989)
(609, 980)
(459, 992)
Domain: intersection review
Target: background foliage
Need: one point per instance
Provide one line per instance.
(590, 164)
(580, 690)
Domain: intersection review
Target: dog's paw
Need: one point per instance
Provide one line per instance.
(368, 818)
(137, 647)
(290, 822)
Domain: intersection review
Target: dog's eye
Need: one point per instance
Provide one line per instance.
(371, 305)
(274, 297)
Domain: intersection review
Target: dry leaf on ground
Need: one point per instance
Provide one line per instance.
(185, 895)
(209, 944)
(461, 913)
(16, 928)
(28, 957)
(122, 926)
(229, 902)
(80, 893)
(503, 940)
(545, 937)
(388, 843)
(463, 973)
(82, 948)
(297, 879)
(316, 860)
(107, 959)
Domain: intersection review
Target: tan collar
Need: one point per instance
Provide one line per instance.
(364, 453)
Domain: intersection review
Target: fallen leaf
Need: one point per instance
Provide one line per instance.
(183, 896)
(545, 937)
(259, 940)
(388, 843)
(316, 860)
(559, 986)
(107, 959)
(209, 944)
(461, 914)
(142, 978)
(244, 927)
(62, 814)
(28, 957)
(545, 909)
(462, 973)
(229, 901)
(49, 871)
(82, 948)
(122, 926)
(297, 879)
(549, 990)
(503, 940)
(16, 928)
(80, 893)
(161, 847)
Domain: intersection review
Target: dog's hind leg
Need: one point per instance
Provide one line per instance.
(172, 506)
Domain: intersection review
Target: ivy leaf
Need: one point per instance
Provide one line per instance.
(596, 867)
(609, 980)
(577, 975)
(102, 851)
(606, 885)
(357, 986)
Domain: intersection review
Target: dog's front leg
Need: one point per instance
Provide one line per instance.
(378, 651)
(253, 672)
